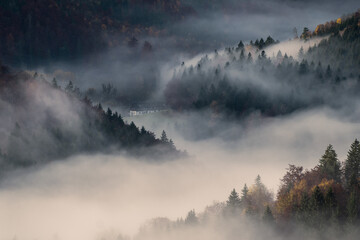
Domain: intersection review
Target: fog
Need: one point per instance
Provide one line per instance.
(139, 75)
(103, 196)
(89, 195)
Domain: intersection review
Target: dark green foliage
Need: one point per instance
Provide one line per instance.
(331, 206)
(329, 165)
(233, 203)
(340, 50)
(90, 128)
(306, 83)
(268, 216)
(352, 165)
(33, 32)
(240, 46)
(263, 44)
(353, 207)
(317, 205)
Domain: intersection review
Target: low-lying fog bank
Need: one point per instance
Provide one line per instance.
(85, 196)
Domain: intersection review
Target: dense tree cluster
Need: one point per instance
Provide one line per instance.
(342, 49)
(324, 200)
(327, 195)
(260, 44)
(32, 31)
(239, 81)
(34, 131)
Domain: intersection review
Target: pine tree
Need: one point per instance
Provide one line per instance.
(352, 165)
(301, 53)
(242, 55)
(319, 71)
(191, 218)
(303, 212)
(330, 204)
(244, 193)
(241, 45)
(258, 182)
(329, 165)
(69, 87)
(328, 72)
(164, 138)
(54, 83)
(172, 145)
(317, 204)
(143, 131)
(233, 205)
(317, 199)
(249, 59)
(353, 207)
(268, 216)
(233, 201)
(303, 67)
(261, 43)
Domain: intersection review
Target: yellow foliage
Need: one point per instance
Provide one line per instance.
(338, 21)
(286, 201)
(324, 185)
(283, 205)
(319, 28)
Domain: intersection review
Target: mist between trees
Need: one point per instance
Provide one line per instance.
(319, 203)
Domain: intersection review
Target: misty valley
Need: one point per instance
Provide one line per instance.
(179, 119)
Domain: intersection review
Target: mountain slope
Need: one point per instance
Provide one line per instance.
(42, 123)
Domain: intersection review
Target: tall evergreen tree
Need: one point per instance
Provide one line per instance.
(249, 59)
(353, 207)
(69, 87)
(330, 204)
(329, 165)
(317, 199)
(244, 193)
(164, 137)
(268, 216)
(352, 164)
(191, 218)
(241, 45)
(233, 201)
(317, 204)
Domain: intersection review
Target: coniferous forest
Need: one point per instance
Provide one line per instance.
(179, 119)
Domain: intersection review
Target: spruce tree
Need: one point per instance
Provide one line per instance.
(233, 201)
(353, 207)
(69, 87)
(329, 165)
(301, 53)
(244, 193)
(328, 72)
(352, 165)
(249, 59)
(54, 83)
(317, 204)
(191, 218)
(164, 138)
(330, 204)
(241, 45)
(268, 216)
(242, 55)
(317, 199)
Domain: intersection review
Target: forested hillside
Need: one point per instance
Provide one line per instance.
(33, 32)
(42, 123)
(245, 79)
(320, 203)
(342, 49)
